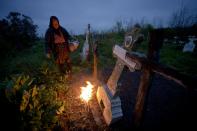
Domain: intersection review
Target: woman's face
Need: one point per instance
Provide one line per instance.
(55, 24)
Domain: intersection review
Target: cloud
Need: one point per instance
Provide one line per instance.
(101, 14)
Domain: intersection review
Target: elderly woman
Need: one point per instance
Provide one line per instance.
(56, 43)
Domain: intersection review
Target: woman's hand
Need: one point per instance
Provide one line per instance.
(48, 55)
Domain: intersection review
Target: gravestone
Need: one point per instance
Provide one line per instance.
(107, 97)
(190, 46)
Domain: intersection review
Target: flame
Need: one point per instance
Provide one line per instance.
(86, 92)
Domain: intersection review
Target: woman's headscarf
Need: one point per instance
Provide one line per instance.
(57, 31)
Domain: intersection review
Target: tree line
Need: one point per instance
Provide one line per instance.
(17, 32)
(182, 22)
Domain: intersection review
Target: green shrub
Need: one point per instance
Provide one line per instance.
(39, 106)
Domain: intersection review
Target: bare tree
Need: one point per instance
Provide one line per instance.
(118, 27)
(129, 24)
(157, 22)
(143, 22)
(183, 17)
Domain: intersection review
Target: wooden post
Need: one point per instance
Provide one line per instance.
(90, 47)
(155, 44)
(142, 95)
(95, 54)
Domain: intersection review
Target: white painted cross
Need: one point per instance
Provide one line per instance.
(85, 49)
(107, 93)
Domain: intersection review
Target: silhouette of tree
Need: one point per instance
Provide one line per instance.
(17, 31)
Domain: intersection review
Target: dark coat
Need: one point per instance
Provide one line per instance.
(49, 39)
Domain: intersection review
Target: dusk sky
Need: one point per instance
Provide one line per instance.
(74, 15)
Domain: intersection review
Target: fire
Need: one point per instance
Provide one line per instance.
(86, 92)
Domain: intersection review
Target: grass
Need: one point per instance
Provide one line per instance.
(33, 59)
(26, 61)
(172, 56)
(184, 62)
(105, 48)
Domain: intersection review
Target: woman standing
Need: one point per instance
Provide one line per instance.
(56, 43)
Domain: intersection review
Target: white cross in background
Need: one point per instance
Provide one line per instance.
(190, 46)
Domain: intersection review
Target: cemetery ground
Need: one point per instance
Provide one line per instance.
(34, 96)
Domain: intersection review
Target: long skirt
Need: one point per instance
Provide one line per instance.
(62, 57)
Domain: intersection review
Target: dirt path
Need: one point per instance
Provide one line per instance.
(79, 116)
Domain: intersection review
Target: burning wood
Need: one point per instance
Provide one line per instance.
(86, 92)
